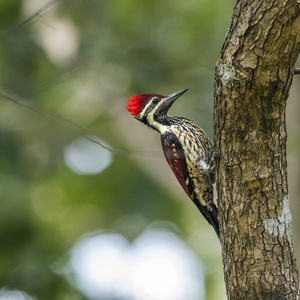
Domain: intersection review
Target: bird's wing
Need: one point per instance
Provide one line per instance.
(175, 157)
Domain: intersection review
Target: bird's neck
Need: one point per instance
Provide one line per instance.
(162, 123)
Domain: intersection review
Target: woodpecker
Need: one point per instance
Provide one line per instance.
(187, 149)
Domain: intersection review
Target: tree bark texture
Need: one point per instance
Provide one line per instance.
(252, 80)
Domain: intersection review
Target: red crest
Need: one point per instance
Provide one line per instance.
(135, 104)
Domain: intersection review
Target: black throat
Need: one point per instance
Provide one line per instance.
(161, 119)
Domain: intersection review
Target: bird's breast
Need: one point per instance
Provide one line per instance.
(194, 151)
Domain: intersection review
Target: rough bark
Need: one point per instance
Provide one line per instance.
(252, 80)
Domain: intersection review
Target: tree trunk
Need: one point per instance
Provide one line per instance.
(252, 80)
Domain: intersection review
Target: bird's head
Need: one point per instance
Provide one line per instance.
(152, 109)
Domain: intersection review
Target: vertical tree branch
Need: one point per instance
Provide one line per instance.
(252, 80)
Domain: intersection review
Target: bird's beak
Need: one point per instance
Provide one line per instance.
(169, 100)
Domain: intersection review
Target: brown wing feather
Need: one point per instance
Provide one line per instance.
(175, 157)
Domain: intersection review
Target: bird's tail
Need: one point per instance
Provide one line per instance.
(210, 215)
(214, 220)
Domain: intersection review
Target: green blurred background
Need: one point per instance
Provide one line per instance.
(82, 60)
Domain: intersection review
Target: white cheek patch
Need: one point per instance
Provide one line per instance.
(143, 113)
(150, 118)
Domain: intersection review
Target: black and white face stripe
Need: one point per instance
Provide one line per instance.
(146, 115)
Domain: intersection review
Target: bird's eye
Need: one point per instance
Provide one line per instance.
(155, 100)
